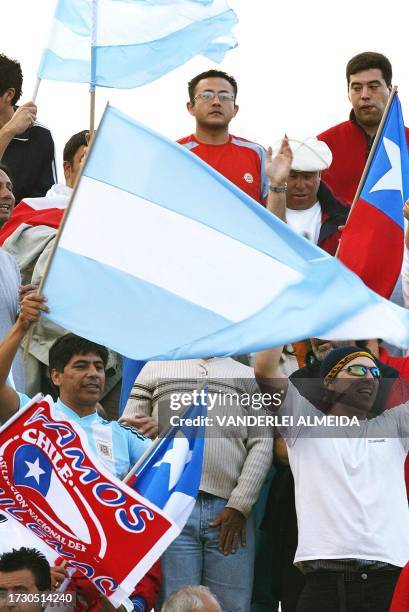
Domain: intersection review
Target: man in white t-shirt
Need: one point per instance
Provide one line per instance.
(309, 207)
(350, 495)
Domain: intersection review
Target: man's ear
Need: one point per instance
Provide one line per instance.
(191, 107)
(328, 384)
(67, 167)
(236, 110)
(9, 95)
(55, 376)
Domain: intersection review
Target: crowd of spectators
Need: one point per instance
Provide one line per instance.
(284, 519)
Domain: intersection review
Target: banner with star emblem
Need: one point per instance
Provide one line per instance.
(52, 485)
(373, 239)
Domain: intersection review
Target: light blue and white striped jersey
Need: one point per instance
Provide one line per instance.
(117, 446)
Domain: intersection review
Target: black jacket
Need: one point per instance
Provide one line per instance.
(30, 159)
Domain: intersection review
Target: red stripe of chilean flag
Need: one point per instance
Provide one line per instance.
(373, 239)
(33, 212)
(25, 214)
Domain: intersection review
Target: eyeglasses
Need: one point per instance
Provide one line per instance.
(360, 370)
(208, 96)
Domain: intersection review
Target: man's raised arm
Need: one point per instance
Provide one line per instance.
(31, 306)
(278, 170)
(268, 373)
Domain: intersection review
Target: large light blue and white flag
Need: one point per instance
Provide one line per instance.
(128, 43)
(161, 257)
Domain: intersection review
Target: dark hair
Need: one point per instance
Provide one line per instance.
(68, 345)
(73, 144)
(10, 76)
(6, 169)
(210, 74)
(368, 60)
(30, 559)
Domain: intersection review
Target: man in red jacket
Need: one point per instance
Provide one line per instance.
(369, 79)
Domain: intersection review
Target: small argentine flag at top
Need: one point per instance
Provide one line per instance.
(128, 43)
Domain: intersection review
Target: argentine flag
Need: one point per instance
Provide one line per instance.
(161, 257)
(133, 42)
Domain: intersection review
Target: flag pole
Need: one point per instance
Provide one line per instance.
(36, 88)
(92, 114)
(370, 156)
(58, 235)
(93, 68)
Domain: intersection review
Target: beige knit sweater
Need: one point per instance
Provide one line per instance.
(236, 458)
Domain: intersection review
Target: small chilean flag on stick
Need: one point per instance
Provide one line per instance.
(373, 239)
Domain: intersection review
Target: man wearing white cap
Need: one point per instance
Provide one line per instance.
(297, 194)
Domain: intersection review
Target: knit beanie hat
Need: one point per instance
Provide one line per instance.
(338, 358)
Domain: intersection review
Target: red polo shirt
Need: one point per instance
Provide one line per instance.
(239, 160)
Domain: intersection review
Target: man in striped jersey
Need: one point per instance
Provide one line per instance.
(212, 102)
(77, 368)
(26, 146)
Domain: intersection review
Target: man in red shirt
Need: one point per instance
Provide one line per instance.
(212, 102)
(369, 78)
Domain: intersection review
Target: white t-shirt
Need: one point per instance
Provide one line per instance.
(307, 222)
(350, 491)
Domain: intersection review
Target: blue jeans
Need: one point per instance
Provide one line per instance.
(194, 558)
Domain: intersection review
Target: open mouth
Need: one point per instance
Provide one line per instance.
(365, 390)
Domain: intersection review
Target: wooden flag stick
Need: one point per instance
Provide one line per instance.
(58, 235)
(94, 26)
(370, 156)
(36, 88)
(92, 114)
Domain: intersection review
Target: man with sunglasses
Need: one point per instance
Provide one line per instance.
(212, 102)
(350, 496)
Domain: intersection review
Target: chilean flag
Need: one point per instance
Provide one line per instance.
(32, 212)
(171, 474)
(34, 470)
(373, 240)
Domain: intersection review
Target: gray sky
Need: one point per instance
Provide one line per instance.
(290, 66)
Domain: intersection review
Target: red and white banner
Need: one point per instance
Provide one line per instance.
(51, 483)
(33, 212)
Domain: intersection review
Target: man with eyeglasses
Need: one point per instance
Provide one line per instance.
(350, 495)
(212, 102)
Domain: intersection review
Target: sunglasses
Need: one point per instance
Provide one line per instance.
(360, 370)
